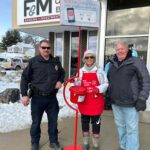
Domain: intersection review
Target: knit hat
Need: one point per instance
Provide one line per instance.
(88, 52)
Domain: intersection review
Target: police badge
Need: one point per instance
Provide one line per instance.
(56, 67)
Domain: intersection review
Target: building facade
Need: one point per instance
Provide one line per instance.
(119, 19)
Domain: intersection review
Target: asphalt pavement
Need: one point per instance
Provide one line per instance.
(20, 140)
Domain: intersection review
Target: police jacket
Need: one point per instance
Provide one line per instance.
(42, 74)
(129, 81)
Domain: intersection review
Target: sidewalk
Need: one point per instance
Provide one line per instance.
(20, 140)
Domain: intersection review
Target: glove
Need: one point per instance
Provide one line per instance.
(140, 105)
(95, 90)
(107, 98)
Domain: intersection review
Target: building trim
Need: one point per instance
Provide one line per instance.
(102, 31)
(127, 36)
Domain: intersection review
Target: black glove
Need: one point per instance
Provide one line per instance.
(107, 101)
(140, 105)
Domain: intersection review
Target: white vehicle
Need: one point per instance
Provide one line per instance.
(13, 63)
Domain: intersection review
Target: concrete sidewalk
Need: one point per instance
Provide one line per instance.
(20, 140)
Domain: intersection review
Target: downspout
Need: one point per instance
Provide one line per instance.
(101, 32)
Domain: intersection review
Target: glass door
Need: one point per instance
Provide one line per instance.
(74, 54)
(58, 50)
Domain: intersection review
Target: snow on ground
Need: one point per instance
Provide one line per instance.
(10, 80)
(14, 116)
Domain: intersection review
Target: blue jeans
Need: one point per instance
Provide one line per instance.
(127, 119)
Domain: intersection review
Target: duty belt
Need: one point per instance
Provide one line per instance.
(37, 92)
(34, 91)
(40, 93)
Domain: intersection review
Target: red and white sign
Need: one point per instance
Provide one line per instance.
(80, 12)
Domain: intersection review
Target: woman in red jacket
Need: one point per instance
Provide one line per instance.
(94, 79)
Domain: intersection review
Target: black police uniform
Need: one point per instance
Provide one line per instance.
(42, 75)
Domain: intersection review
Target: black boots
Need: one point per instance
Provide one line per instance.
(35, 146)
(120, 148)
(55, 146)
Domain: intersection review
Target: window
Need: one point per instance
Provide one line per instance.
(58, 50)
(16, 60)
(130, 25)
(140, 44)
(74, 53)
(122, 4)
(3, 60)
(25, 61)
(92, 40)
(128, 21)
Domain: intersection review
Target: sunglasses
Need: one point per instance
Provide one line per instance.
(89, 57)
(43, 47)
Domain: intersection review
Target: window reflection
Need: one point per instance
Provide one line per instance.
(128, 21)
(140, 44)
(74, 53)
(58, 46)
(92, 40)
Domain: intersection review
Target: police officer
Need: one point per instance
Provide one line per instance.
(45, 76)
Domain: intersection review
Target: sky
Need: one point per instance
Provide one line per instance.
(5, 16)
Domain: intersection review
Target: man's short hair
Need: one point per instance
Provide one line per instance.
(44, 41)
(119, 41)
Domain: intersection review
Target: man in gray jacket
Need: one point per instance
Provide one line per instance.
(129, 86)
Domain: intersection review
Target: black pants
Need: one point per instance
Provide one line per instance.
(95, 121)
(49, 104)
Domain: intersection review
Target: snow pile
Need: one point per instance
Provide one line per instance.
(10, 80)
(14, 116)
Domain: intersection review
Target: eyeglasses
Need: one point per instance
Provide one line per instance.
(43, 47)
(89, 57)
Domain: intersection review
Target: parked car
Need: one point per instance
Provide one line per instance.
(13, 63)
(5, 63)
(18, 63)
